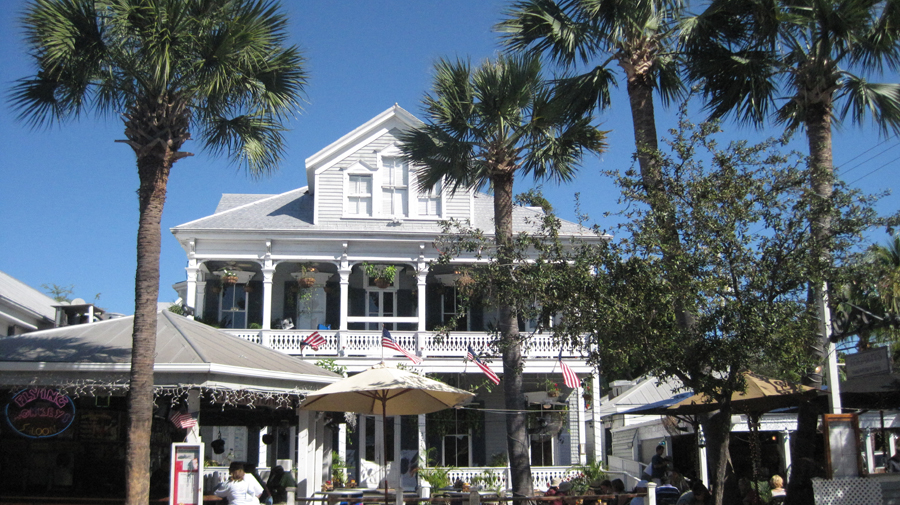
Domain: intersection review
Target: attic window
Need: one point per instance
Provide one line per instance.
(395, 187)
(359, 195)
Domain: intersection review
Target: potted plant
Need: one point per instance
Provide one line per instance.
(306, 279)
(383, 274)
(552, 388)
(465, 283)
(229, 276)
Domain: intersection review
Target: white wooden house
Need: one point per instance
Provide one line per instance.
(361, 205)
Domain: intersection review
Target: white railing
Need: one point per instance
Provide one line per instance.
(540, 475)
(368, 343)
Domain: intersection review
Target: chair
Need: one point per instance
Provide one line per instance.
(324, 327)
(287, 324)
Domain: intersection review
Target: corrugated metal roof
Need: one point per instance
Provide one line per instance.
(26, 296)
(181, 344)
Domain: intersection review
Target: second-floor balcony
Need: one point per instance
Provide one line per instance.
(427, 344)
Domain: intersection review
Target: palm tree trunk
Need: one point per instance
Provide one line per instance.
(640, 96)
(818, 127)
(516, 430)
(154, 174)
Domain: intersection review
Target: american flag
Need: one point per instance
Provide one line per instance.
(481, 364)
(388, 341)
(568, 375)
(181, 419)
(315, 341)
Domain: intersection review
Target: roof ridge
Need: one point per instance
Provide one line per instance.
(261, 200)
(171, 317)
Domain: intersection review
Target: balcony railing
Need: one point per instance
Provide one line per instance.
(368, 343)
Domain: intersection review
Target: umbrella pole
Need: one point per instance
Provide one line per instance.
(384, 449)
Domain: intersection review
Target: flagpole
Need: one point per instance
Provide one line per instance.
(382, 360)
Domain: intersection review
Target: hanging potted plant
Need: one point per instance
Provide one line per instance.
(383, 275)
(306, 279)
(552, 389)
(465, 283)
(229, 277)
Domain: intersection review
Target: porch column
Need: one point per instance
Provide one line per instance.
(420, 288)
(345, 296)
(318, 451)
(268, 274)
(193, 404)
(582, 439)
(597, 432)
(191, 293)
(786, 451)
(361, 444)
(304, 486)
(424, 487)
(342, 446)
(869, 442)
(380, 453)
(892, 443)
(396, 478)
(201, 299)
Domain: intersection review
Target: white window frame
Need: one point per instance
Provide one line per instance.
(468, 436)
(387, 185)
(245, 309)
(359, 170)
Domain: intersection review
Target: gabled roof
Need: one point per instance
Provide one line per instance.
(645, 392)
(187, 352)
(394, 117)
(21, 296)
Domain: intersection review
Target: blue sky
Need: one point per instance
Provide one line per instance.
(68, 208)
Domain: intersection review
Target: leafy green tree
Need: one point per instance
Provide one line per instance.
(171, 69)
(742, 212)
(483, 128)
(806, 64)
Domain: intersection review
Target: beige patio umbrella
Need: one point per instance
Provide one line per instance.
(388, 391)
(763, 394)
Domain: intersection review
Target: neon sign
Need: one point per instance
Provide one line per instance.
(40, 413)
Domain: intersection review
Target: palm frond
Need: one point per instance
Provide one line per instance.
(881, 101)
(255, 142)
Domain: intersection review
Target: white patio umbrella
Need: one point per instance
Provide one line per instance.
(388, 391)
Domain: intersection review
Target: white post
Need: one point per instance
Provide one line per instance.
(597, 432)
(361, 445)
(704, 471)
(342, 447)
(869, 442)
(423, 492)
(582, 438)
(380, 453)
(420, 293)
(651, 493)
(834, 387)
(191, 294)
(201, 300)
(193, 403)
(304, 487)
(786, 451)
(262, 456)
(318, 449)
(268, 275)
(345, 295)
(395, 468)
(892, 443)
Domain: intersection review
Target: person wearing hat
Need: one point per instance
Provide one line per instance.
(554, 490)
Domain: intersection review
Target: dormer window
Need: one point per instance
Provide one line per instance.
(395, 187)
(359, 195)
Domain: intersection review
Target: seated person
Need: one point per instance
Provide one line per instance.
(698, 495)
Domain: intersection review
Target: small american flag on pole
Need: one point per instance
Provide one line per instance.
(388, 341)
(181, 419)
(470, 355)
(315, 341)
(569, 376)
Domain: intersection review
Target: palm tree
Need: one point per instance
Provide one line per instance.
(636, 35)
(219, 70)
(750, 56)
(484, 127)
